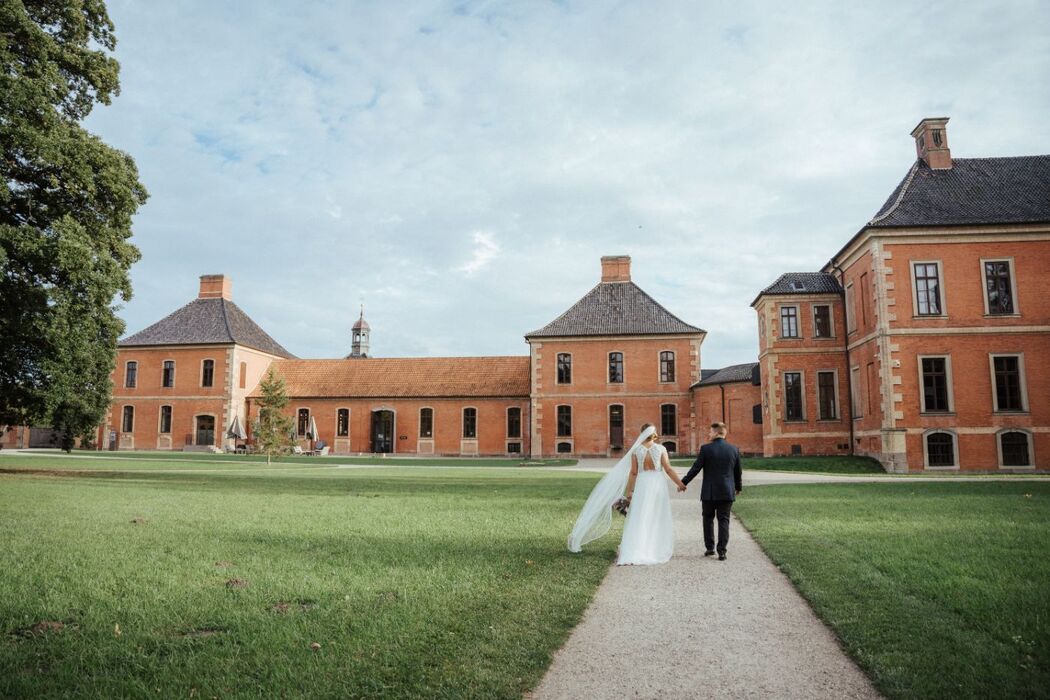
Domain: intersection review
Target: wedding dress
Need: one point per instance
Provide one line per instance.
(648, 535)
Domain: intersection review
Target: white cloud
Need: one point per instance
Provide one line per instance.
(485, 250)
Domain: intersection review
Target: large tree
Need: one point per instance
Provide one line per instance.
(65, 216)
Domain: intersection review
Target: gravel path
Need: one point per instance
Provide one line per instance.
(697, 627)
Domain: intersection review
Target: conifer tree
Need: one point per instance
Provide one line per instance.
(272, 428)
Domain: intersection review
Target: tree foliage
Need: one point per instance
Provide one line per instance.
(66, 206)
(272, 428)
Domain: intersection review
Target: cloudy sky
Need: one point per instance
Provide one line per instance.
(460, 167)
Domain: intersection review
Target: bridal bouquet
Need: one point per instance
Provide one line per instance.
(621, 506)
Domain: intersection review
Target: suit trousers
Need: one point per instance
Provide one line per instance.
(709, 510)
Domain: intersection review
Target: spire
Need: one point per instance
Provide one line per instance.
(359, 333)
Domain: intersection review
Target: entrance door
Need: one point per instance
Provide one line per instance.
(205, 430)
(382, 431)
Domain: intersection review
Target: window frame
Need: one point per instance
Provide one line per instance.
(211, 383)
(419, 418)
(831, 321)
(663, 433)
(798, 321)
(926, 449)
(608, 367)
(133, 374)
(834, 396)
(673, 368)
(160, 419)
(558, 434)
(802, 394)
(623, 423)
(557, 368)
(298, 422)
(510, 436)
(164, 369)
(1022, 380)
(1009, 260)
(948, 380)
(942, 296)
(338, 411)
(463, 422)
(124, 418)
(1031, 448)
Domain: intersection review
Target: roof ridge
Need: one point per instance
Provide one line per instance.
(664, 308)
(900, 197)
(226, 319)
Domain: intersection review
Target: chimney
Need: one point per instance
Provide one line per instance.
(616, 268)
(215, 287)
(931, 143)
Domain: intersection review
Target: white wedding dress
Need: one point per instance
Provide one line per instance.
(648, 534)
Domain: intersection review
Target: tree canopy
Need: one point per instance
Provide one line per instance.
(66, 207)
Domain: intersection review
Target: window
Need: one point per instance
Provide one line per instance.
(165, 419)
(940, 449)
(999, 297)
(793, 396)
(616, 367)
(244, 374)
(127, 423)
(865, 299)
(935, 389)
(426, 422)
(788, 321)
(756, 414)
(514, 448)
(854, 392)
(851, 311)
(514, 422)
(304, 421)
(207, 372)
(927, 289)
(668, 419)
(1014, 449)
(564, 421)
(564, 368)
(1006, 370)
(869, 388)
(671, 446)
(167, 378)
(564, 447)
(821, 321)
(342, 422)
(827, 403)
(131, 374)
(666, 366)
(616, 426)
(470, 423)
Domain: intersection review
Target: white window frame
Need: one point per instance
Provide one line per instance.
(835, 389)
(335, 432)
(309, 415)
(1023, 379)
(572, 369)
(948, 377)
(433, 420)
(926, 449)
(1031, 448)
(941, 289)
(798, 321)
(802, 384)
(831, 321)
(1013, 288)
(462, 422)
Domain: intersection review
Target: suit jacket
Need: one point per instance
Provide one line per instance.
(720, 462)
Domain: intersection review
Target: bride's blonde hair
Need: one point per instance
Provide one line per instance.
(648, 425)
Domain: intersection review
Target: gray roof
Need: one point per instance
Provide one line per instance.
(207, 321)
(727, 375)
(615, 308)
(972, 191)
(803, 283)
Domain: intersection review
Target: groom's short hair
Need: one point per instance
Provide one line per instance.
(719, 427)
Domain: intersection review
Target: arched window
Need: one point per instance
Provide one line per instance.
(671, 447)
(564, 421)
(666, 366)
(470, 423)
(940, 449)
(165, 419)
(1015, 449)
(426, 422)
(131, 374)
(304, 421)
(342, 422)
(128, 419)
(208, 373)
(616, 368)
(564, 447)
(564, 368)
(167, 378)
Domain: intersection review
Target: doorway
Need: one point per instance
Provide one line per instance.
(382, 431)
(205, 430)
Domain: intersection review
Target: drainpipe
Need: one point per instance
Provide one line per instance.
(722, 388)
(849, 370)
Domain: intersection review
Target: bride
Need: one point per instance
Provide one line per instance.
(641, 476)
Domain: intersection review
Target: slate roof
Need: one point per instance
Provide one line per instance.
(207, 321)
(802, 283)
(406, 377)
(727, 375)
(615, 308)
(973, 191)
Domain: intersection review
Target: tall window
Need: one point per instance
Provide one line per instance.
(666, 366)
(127, 423)
(927, 289)
(1014, 446)
(821, 321)
(998, 287)
(935, 385)
(940, 450)
(564, 421)
(304, 421)
(788, 321)
(167, 378)
(793, 396)
(165, 419)
(854, 392)
(244, 374)
(426, 422)
(131, 374)
(470, 423)
(208, 373)
(616, 367)
(342, 422)
(1008, 383)
(828, 405)
(851, 311)
(616, 425)
(564, 368)
(865, 299)
(514, 422)
(668, 419)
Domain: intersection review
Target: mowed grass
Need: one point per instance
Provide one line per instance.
(450, 583)
(815, 464)
(938, 590)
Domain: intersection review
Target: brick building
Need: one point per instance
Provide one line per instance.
(925, 341)
(733, 396)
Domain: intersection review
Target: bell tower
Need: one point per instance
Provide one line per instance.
(360, 331)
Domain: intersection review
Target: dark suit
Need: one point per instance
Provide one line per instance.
(723, 479)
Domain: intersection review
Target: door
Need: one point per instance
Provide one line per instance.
(205, 430)
(382, 431)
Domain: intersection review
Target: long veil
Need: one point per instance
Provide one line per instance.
(596, 517)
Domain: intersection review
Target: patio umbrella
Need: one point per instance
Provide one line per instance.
(312, 434)
(236, 430)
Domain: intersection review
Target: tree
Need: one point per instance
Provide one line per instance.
(65, 216)
(272, 429)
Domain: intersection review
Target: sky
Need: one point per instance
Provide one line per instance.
(461, 167)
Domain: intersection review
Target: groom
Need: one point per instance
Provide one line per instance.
(722, 483)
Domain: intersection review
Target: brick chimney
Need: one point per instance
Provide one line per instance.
(215, 287)
(616, 268)
(931, 143)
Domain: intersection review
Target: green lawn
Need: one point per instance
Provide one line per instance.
(938, 590)
(450, 583)
(821, 465)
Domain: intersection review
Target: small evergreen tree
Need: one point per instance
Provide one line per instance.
(272, 428)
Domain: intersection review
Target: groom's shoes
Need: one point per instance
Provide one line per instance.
(709, 553)
(721, 556)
